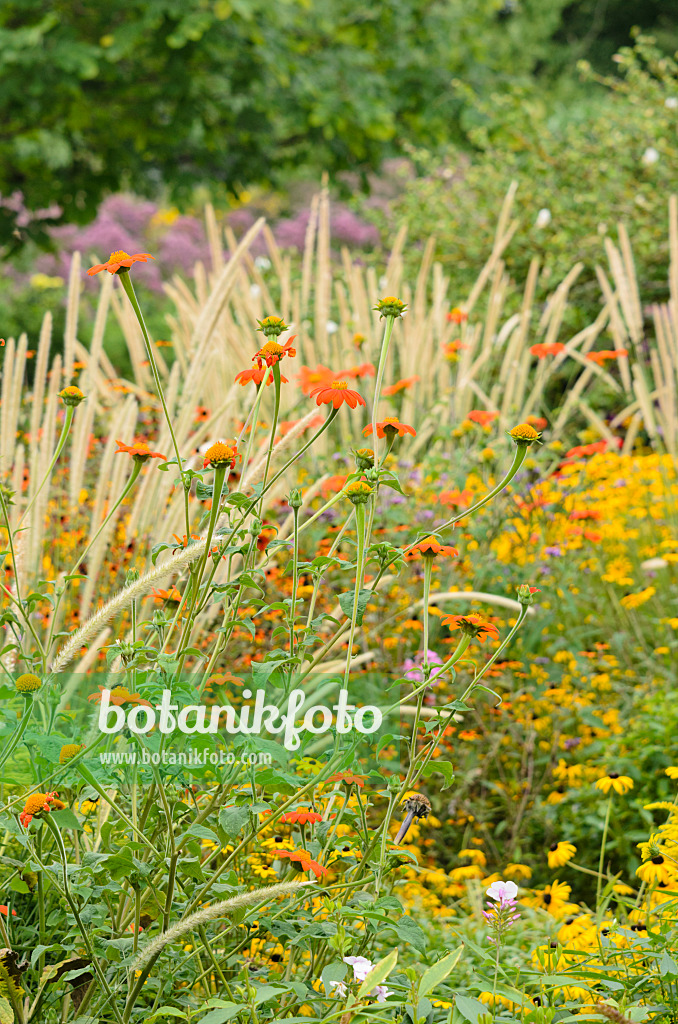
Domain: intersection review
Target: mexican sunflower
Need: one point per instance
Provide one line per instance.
(36, 804)
(301, 818)
(119, 695)
(301, 860)
(430, 547)
(257, 375)
(390, 427)
(472, 625)
(120, 261)
(336, 394)
(138, 450)
(272, 352)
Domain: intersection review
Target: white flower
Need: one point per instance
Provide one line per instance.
(502, 891)
(671, 102)
(255, 290)
(338, 988)
(543, 218)
(649, 157)
(331, 327)
(262, 263)
(382, 993)
(361, 966)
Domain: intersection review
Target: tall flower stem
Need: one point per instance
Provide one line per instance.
(54, 829)
(126, 281)
(20, 730)
(274, 427)
(428, 569)
(488, 665)
(360, 532)
(254, 412)
(601, 859)
(385, 342)
(68, 419)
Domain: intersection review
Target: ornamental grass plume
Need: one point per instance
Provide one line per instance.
(212, 913)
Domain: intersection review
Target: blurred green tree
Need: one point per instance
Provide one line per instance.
(133, 93)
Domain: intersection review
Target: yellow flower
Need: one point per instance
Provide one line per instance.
(72, 395)
(635, 600)
(524, 434)
(656, 870)
(613, 780)
(69, 751)
(672, 771)
(517, 871)
(477, 856)
(28, 682)
(358, 492)
(553, 898)
(559, 854)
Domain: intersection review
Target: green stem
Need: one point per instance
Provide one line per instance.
(360, 532)
(388, 330)
(68, 419)
(54, 829)
(126, 282)
(274, 427)
(601, 860)
(20, 730)
(128, 487)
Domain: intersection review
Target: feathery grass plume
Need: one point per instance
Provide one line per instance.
(213, 912)
(123, 599)
(612, 1013)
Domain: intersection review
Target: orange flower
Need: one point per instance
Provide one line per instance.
(138, 450)
(257, 375)
(36, 804)
(602, 357)
(309, 379)
(541, 351)
(451, 348)
(585, 513)
(457, 315)
(482, 417)
(4, 909)
(183, 542)
(119, 695)
(472, 625)
(430, 547)
(364, 370)
(390, 427)
(590, 449)
(538, 422)
(202, 413)
(166, 595)
(400, 385)
(455, 498)
(348, 778)
(272, 352)
(220, 454)
(332, 485)
(336, 394)
(120, 260)
(301, 818)
(302, 860)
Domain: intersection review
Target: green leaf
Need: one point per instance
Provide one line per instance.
(166, 1011)
(233, 820)
(200, 832)
(469, 1008)
(409, 931)
(378, 974)
(444, 768)
(335, 971)
(222, 1014)
(668, 968)
(346, 602)
(432, 977)
(67, 819)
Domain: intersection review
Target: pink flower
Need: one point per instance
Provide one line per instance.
(503, 892)
(361, 966)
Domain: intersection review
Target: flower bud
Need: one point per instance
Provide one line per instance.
(295, 499)
(358, 492)
(72, 395)
(390, 306)
(272, 326)
(364, 458)
(525, 592)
